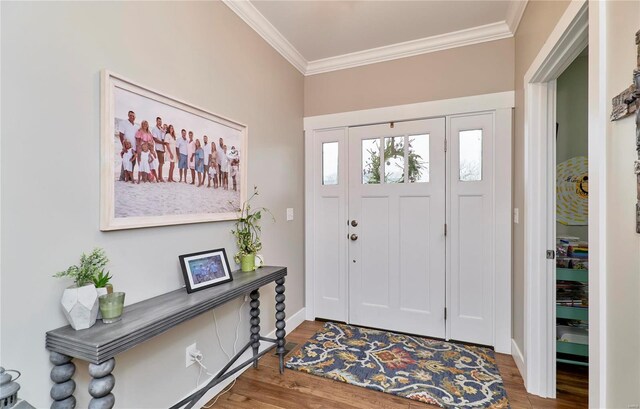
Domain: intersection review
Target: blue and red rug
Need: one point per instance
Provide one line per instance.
(437, 372)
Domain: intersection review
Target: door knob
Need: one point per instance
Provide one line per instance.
(354, 237)
(354, 223)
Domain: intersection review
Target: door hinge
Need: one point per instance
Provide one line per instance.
(445, 229)
(551, 255)
(445, 144)
(445, 313)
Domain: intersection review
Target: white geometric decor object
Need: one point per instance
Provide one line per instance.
(80, 306)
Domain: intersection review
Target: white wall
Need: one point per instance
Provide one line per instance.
(200, 52)
(623, 243)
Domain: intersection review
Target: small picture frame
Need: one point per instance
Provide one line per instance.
(205, 269)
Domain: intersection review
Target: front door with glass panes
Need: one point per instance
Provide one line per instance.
(396, 226)
(419, 231)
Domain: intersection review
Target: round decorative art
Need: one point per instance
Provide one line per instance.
(572, 191)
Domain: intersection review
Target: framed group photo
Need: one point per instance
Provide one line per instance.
(166, 162)
(205, 269)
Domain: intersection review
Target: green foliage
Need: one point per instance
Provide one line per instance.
(394, 148)
(247, 229)
(101, 279)
(91, 266)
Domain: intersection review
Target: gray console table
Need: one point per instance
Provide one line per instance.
(100, 344)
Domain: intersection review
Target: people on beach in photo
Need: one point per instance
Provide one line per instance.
(144, 160)
(206, 147)
(199, 162)
(127, 131)
(219, 155)
(224, 168)
(143, 135)
(170, 138)
(159, 132)
(153, 163)
(182, 151)
(233, 153)
(213, 167)
(233, 172)
(128, 158)
(192, 164)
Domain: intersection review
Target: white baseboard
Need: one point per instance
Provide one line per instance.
(519, 360)
(292, 323)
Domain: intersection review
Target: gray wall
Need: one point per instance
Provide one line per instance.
(475, 69)
(199, 52)
(571, 115)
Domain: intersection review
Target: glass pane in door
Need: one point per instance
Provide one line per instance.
(394, 159)
(330, 163)
(470, 164)
(370, 161)
(418, 158)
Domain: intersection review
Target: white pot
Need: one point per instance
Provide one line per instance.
(80, 306)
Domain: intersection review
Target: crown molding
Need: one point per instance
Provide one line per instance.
(514, 14)
(475, 35)
(247, 12)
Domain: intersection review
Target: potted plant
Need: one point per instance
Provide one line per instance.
(247, 233)
(80, 301)
(102, 281)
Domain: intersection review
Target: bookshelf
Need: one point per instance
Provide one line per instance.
(572, 351)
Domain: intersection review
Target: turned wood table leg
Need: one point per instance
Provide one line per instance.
(102, 384)
(280, 323)
(255, 323)
(64, 385)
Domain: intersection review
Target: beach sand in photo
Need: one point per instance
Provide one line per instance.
(161, 199)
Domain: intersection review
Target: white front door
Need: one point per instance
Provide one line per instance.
(328, 254)
(471, 229)
(396, 226)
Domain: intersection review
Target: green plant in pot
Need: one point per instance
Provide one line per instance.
(80, 301)
(247, 233)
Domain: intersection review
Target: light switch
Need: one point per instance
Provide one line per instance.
(289, 214)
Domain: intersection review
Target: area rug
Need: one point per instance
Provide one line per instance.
(441, 373)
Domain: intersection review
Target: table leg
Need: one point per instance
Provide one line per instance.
(64, 386)
(255, 324)
(101, 384)
(280, 323)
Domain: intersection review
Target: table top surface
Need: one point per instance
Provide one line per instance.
(146, 319)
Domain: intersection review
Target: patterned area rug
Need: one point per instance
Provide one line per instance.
(427, 370)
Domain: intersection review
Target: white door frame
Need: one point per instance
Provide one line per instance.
(502, 103)
(565, 43)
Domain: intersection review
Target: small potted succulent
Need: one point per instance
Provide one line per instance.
(80, 301)
(247, 233)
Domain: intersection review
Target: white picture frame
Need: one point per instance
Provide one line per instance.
(129, 205)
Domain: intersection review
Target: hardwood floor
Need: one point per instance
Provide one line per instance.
(266, 388)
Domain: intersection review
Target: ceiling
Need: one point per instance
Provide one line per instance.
(324, 35)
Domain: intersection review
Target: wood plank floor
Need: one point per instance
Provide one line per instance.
(264, 387)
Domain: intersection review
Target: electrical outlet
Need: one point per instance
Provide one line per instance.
(289, 213)
(190, 352)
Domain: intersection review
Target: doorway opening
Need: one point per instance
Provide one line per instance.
(567, 41)
(571, 225)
